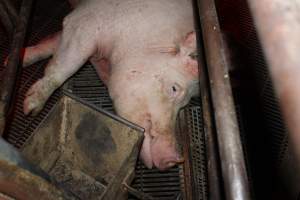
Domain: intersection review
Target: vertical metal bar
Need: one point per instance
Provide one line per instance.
(189, 185)
(234, 173)
(5, 19)
(12, 70)
(11, 10)
(278, 26)
(214, 191)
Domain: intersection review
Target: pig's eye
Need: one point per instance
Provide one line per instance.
(175, 91)
(174, 88)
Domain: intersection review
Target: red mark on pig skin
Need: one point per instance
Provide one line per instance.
(190, 40)
(191, 67)
(189, 46)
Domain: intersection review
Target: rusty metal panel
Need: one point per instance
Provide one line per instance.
(19, 184)
(88, 152)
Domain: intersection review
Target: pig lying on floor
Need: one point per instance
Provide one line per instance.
(141, 51)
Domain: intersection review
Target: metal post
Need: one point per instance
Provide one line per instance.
(278, 26)
(214, 191)
(234, 173)
(7, 4)
(5, 19)
(8, 16)
(12, 71)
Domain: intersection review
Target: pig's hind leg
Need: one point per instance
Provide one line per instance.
(72, 52)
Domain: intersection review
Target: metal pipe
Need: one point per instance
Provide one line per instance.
(278, 26)
(104, 112)
(210, 142)
(214, 191)
(136, 193)
(189, 193)
(5, 19)
(9, 154)
(12, 70)
(11, 10)
(234, 173)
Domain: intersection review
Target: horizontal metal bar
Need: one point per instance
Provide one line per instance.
(120, 119)
(136, 193)
(9, 154)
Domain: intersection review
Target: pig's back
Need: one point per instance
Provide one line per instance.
(133, 26)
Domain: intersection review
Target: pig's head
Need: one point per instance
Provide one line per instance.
(150, 93)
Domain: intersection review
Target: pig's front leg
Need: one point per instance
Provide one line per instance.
(73, 51)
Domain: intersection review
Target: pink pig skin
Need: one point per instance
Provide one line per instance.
(140, 49)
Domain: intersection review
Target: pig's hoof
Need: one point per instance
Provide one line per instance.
(34, 100)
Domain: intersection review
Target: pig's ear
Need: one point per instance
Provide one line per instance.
(188, 52)
(102, 67)
(190, 40)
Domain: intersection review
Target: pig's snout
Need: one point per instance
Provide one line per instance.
(160, 151)
(159, 147)
(164, 153)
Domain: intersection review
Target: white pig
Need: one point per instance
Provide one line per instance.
(141, 51)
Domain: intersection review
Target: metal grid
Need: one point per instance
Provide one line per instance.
(264, 134)
(160, 185)
(87, 85)
(21, 127)
(197, 149)
(240, 25)
(4, 44)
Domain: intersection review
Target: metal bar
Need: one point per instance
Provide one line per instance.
(12, 70)
(214, 192)
(136, 193)
(187, 168)
(11, 10)
(5, 197)
(102, 111)
(5, 19)
(278, 26)
(231, 154)
(9, 154)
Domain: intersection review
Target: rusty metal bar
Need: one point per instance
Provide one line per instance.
(214, 192)
(9, 154)
(5, 19)
(17, 183)
(104, 112)
(12, 70)
(136, 193)
(278, 26)
(187, 166)
(11, 10)
(8, 16)
(234, 173)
